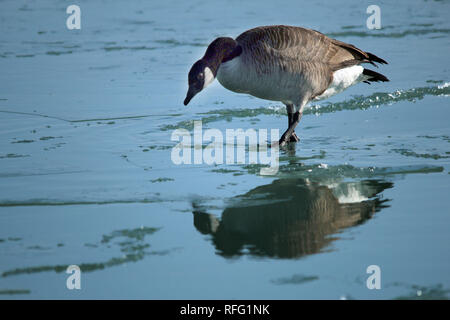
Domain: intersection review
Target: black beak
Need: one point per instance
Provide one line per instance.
(190, 94)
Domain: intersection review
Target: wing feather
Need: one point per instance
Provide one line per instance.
(302, 51)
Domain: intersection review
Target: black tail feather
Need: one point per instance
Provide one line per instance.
(374, 76)
(373, 57)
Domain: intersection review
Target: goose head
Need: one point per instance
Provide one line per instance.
(204, 71)
(199, 78)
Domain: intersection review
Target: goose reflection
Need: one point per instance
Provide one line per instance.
(290, 218)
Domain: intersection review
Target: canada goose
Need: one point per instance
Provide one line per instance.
(283, 63)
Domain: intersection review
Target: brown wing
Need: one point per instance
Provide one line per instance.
(306, 45)
(305, 51)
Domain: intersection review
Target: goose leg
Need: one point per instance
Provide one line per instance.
(293, 137)
(287, 135)
(291, 115)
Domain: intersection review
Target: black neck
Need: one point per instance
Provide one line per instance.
(219, 51)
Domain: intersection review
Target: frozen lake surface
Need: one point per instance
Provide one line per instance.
(86, 176)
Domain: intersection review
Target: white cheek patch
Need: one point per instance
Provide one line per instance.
(209, 77)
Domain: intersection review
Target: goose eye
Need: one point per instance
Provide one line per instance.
(200, 76)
